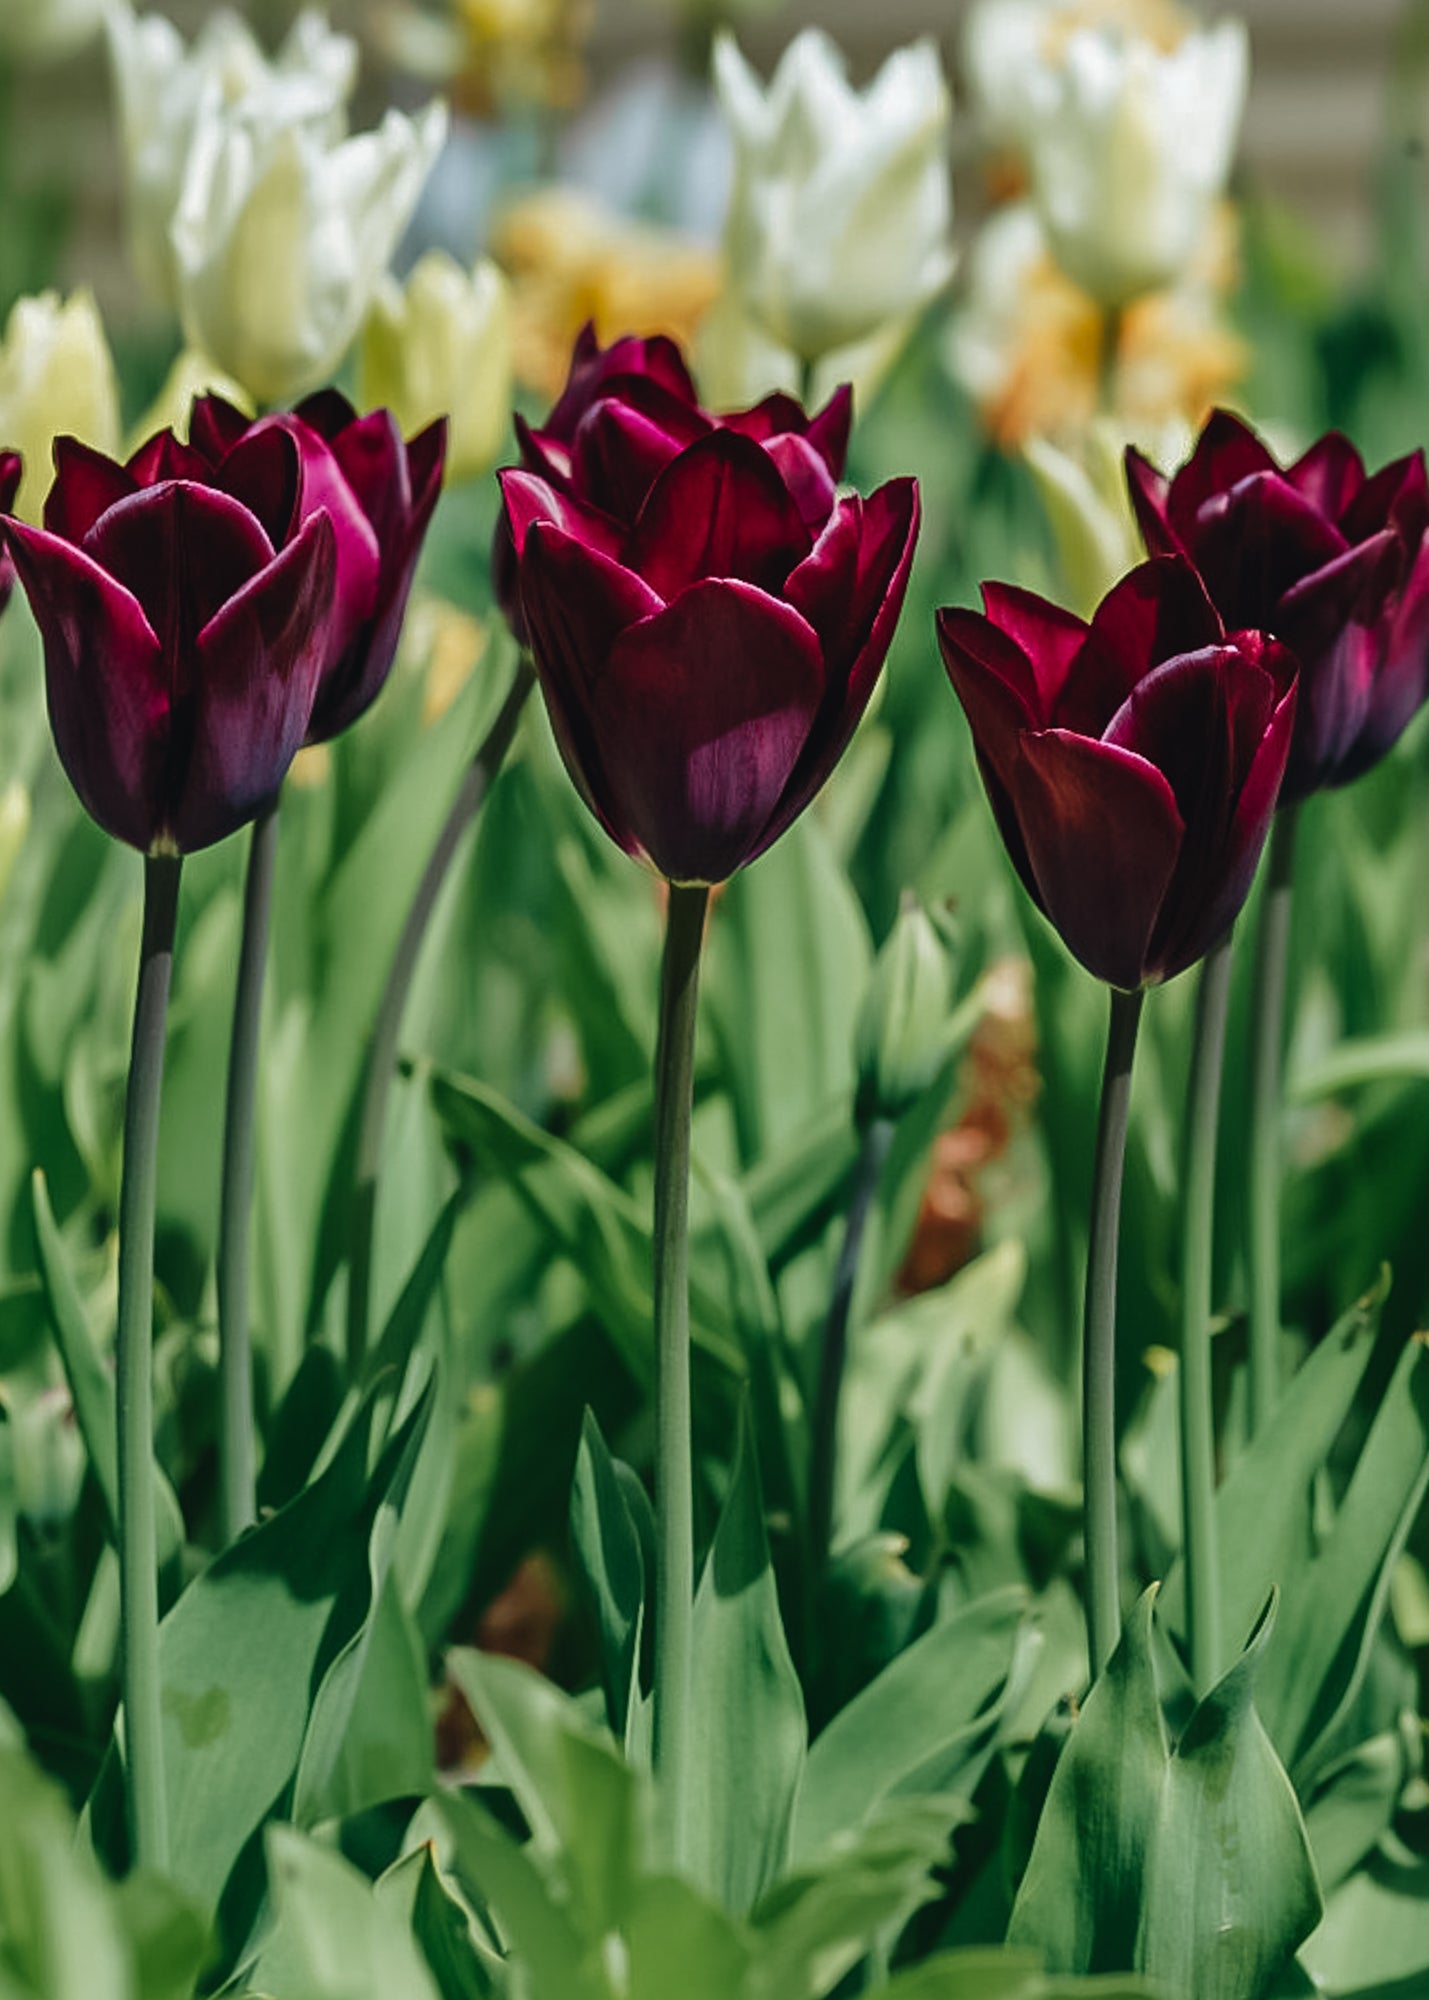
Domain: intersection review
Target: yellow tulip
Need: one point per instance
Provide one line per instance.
(56, 379)
(441, 346)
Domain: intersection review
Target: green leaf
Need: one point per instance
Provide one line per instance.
(91, 1385)
(579, 1797)
(747, 1711)
(1373, 1943)
(926, 1724)
(334, 1937)
(1395, 1058)
(612, 1563)
(814, 1925)
(1355, 1800)
(382, 1726)
(414, 1887)
(1190, 1865)
(988, 1973)
(240, 1655)
(679, 1944)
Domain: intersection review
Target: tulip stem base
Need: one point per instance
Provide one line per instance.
(833, 1354)
(134, 1376)
(1272, 951)
(674, 1457)
(237, 1501)
(387, 1027)
(1103, 1572)
(1198, 1449)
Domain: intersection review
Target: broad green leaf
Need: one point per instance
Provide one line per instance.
(580, 1799)
(814, 1925)
(926, 1723)
(240, 1655)
(413, 1886)
(1394, 1058)
(680, 1947)
(91, 1385)
(1373, 1943)
(746, 1708)
(795, 1189)
(1230, 1889)
(334, 1937)
(1191, 1864)
(612, 1564)
(505, 1878)
(990, 1973)
(384, 1741)
(1355, 1799)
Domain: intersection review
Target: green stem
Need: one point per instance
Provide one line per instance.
(1099, 1337)
(807, 372)
(674, 1468)
(1198, 1446)
(382, 1049)
(237, 1504)
(1272, 949)
(1109, 358)
(138, 1548)
(873, 1152)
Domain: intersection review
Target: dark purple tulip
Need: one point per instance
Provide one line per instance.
(625, 412)
(184, 607)
(1133, 764)
(11, 469)
(380, 492)
(1329, 560)
(708, 617)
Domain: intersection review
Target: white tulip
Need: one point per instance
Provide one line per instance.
(841, 209)
(167, 91)
(281, 238)
(441, 346)
(41, 31)
(1131, 150)
(56, 379)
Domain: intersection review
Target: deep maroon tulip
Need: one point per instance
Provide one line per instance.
(625, 411)
(184, 606)
(1133, 764)
(707, 616)
(11, 469)
(380, 492)
(1334, 563)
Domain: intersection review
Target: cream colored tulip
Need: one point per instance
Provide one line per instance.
(1088, 507)
(167, 90)
(1008, 46)
(281, 239)
(1130, 152)
(441, 346)
(56, 379)
(841, 209)
(42, 31)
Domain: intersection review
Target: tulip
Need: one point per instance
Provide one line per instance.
(184, 611)
(1133, 763)
(841, 210)
(378, 493)
(1130, 149)
(11, 471)
(56, 378)
(1333, 562)
(441, 345)
(166, 92)
(281, 238)
(708, 617)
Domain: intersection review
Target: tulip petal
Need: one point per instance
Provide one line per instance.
(215, 426)
(994, 680)
(263, 470)
(597, 371)
(1330, 475)
(1396, 497)
(718, 510)
(86, 485)
(1102, 837)
(1157, 610)
(1401, 685)
(165, 456)
(807, 478)
(1254, 542)
(1150, 492)
(183, 550)
(530, 500)
(622, 445)
(779, 415)
(704, 712)
(1336, 622)
(259, 660)
(1048, 637)
(105, 684)
(1227, 452)
(576, 601)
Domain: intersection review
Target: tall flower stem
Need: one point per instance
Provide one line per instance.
(235, 1443)
(674, 1460)
(833, 1355)
(1272, 950)
(134, 1384)
(1198, 1198)
(1109, 357)
(1099, 1337)
(382, 1049)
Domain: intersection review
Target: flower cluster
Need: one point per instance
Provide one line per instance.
(707, 613)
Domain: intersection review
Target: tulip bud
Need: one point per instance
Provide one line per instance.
(56, 380)
(840, 216)
(441, 346)
(1131, 150)
(902, 1026)
(280, 240)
